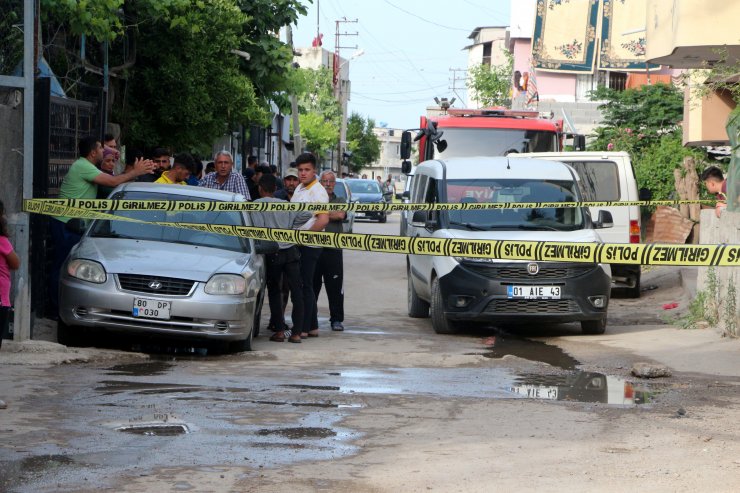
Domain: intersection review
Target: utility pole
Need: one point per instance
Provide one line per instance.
(455, 79)
(297, 144)
(338, 83)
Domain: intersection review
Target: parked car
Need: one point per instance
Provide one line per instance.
(456, 290)
(369, 192)
(341, 189)
(163, 281)
(609, 176)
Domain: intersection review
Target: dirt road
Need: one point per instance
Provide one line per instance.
(385, 406)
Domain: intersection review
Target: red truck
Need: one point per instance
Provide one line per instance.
(485, 132)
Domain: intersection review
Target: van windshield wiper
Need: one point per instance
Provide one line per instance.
(471, 226)
(538, 227)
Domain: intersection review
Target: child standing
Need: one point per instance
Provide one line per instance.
(8, 261)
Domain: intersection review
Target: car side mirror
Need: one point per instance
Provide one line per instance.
(265, 247)
(645, 194)
(604, 221)
(406, 167)
(419, 218)
(405, 145)
(579, 142)
(76, 226)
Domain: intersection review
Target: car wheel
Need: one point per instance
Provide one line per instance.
(417, 307)
(634, 292)
(440, 323)
(383, 218)
(594, 327)
(68, 336)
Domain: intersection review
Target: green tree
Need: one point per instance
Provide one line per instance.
(492, 83)
(362, 142)
(186, 89)
(645, 122)
(270, 66)
(175, 80)
(11, 38)
(319, 135)
(319, 111)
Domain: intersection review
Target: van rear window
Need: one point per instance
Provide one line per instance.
(599, 179)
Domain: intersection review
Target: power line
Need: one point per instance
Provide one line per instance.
(426, 20)
(504, 21)
(406, 92)
(397, 101)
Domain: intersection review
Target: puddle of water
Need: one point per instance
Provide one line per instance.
(505, 344)
(581, 386)
(309, 387)
(149, 368)
(299, 433)
(166, 430)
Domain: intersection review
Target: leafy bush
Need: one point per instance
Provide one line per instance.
(645, 122)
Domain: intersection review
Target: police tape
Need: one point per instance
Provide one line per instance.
(540, 251)
(218, 206)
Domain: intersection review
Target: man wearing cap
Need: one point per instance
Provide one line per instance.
(290, 180)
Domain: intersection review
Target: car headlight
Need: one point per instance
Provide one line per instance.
(86, 270)
(226, 284)
(460, 260)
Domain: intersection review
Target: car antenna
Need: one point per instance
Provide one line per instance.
(507, 163)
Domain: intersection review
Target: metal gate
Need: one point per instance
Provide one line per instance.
(59, 123)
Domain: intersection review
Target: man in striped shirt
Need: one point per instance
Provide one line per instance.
(224, 178)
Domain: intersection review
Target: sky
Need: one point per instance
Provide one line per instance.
(409, 48)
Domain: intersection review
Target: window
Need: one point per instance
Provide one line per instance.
(599, 179)
(487, 53)
(467, 142)
(617, 81)
(518, 191)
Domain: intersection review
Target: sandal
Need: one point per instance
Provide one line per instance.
(278, 337)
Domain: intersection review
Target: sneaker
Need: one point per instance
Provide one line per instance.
(337, 326)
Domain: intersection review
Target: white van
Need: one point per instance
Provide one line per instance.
(457, 289)
(609, 176)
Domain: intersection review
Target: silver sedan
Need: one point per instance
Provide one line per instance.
(164, 281)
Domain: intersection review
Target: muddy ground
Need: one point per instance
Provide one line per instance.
(385, 406)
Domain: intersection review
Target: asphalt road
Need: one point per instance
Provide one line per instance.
(386, 405)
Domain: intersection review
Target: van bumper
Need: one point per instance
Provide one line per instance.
(483, 289)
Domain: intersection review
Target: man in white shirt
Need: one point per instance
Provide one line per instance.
(309, 190)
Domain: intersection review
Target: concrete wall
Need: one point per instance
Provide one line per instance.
(11, 165)
(713, 230)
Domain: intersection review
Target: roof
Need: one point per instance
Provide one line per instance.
(187, 192)
(478, 29)
(499, 167)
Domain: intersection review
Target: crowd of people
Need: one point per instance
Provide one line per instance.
(294, 271)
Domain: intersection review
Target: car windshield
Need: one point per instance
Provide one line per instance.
(511, 190)
(167, 234)
(364, 186)
(339, 190)
(468, 142)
